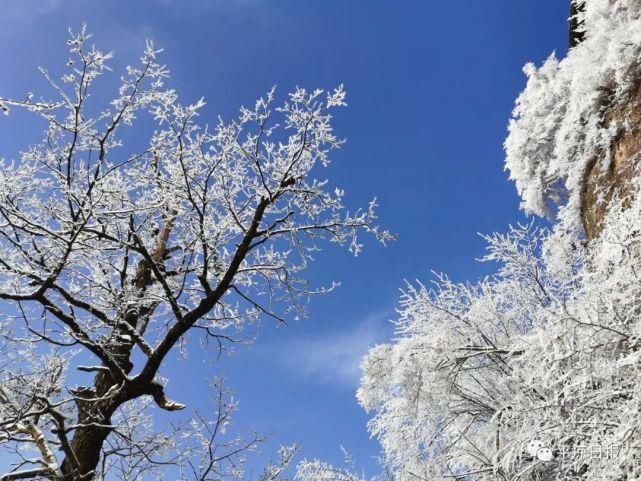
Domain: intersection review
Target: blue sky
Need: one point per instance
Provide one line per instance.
(430, 86)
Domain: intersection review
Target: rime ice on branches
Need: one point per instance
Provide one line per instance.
(112, 251)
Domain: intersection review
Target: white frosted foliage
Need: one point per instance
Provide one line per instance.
(557, 127)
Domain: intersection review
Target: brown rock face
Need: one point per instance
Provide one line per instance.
(610, 178)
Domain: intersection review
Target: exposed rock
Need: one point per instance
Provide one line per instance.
(610, 175)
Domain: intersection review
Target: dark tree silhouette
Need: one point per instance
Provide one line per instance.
(576, 32)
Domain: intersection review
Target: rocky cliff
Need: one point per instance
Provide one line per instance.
(575, 136)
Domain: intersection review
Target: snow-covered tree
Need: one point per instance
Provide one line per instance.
(533, 373)
(521, 374)
(130, 231)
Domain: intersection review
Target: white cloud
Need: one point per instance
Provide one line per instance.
(209, 5)
(21, 15)
(23, 8)
(335, 357)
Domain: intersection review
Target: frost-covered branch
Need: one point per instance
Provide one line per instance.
(107, 248)
(519, 375)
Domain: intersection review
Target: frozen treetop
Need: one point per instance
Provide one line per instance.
(532, 373)
(558, 126)
(130, 231)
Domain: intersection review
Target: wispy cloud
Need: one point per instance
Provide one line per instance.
(209, 5)
(335, 357)
(21, 15)
(23, 8)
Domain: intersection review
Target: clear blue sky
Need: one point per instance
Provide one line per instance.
(430, 83)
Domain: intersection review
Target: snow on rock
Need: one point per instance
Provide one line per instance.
(558, 126)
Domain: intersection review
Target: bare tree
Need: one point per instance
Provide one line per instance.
(111, 252)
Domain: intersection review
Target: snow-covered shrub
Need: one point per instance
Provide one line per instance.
(529, 372)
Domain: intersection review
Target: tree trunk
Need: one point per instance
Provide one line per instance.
(94, 415)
